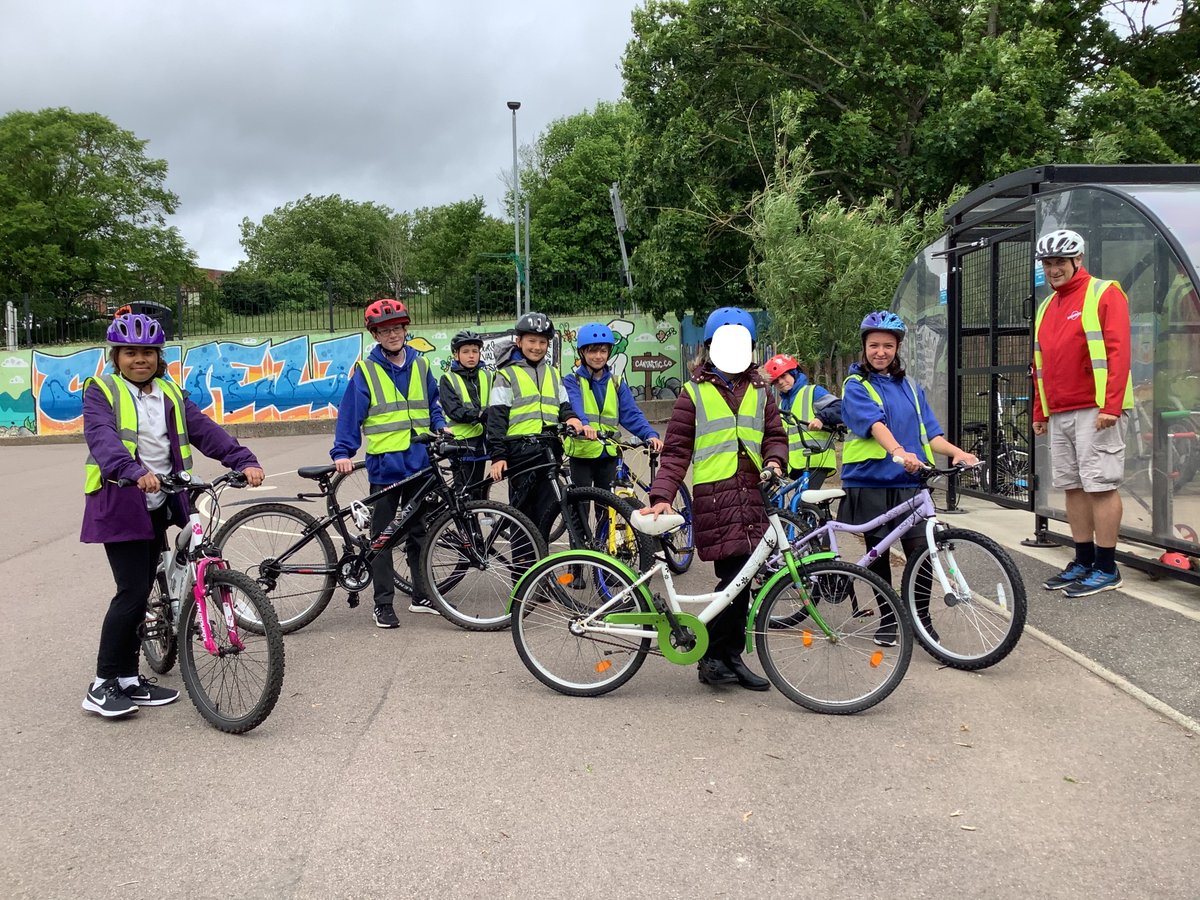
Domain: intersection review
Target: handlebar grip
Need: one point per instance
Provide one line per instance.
(425, 437)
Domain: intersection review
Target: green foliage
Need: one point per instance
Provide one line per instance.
(248, 293)
(576, 256)
(326, 239)
(898, 99)
(819, 269)
(83, 208)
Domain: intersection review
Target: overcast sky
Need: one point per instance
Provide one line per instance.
(258, 102)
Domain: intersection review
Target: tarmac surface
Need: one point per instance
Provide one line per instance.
(427, 762)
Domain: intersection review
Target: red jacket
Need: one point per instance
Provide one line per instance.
(1066, 365)
(728, 517)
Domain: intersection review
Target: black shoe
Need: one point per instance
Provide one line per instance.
(746, 678)
(385, 616)
(108, 700)
(885, 639)
(423, 605)
(715, 671)
(147, 693)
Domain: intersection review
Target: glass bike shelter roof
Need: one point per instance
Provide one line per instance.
(1141, 226)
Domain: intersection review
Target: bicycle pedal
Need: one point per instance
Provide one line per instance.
(352, 600)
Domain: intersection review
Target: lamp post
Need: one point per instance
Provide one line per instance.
(514, 105)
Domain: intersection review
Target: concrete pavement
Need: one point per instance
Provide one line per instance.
(427, 762)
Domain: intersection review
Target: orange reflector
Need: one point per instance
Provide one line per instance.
(807, 639)
(603, 666)
(565, 578)
(876, 659)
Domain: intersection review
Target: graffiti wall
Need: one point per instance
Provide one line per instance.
(291, 378)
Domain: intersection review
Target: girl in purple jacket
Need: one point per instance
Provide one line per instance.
(138, 425)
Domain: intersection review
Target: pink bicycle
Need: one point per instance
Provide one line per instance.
(216, 622)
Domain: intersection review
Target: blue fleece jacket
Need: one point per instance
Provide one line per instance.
(898, 413)
(383, 468)
(629, 414)
(827, 406)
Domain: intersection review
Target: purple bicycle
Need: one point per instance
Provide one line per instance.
(964, 594)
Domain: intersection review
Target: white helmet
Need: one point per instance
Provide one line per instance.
(1061, 243)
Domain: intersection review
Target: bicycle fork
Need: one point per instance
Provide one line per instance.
(226, 601)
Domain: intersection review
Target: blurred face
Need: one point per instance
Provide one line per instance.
(137, 364)
(1060, 269)
(880, 349)
(468, 356)
(391, 336)
(596, 356)
(533, 346)
(785, 382)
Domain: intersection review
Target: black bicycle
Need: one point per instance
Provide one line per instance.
(473, 552)
(590, 517)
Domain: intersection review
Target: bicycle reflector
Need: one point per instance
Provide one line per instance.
(603, 666)
(565, 578)
(876, 659)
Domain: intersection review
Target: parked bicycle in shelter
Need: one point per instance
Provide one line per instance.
(473, 552)
(216, 622)
(962, 592)
(584, 622)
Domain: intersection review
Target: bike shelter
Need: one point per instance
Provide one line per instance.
(970, 299)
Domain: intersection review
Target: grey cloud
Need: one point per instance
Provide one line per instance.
(255, 104)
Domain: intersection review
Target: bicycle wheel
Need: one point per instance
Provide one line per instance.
(556, 594)
(470, 562)
(235, 688)
(600, 520)
(680, 544)
(978, 624)
(861, 660)
(300, 587)
(160, 647)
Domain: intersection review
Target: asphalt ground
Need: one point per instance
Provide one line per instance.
(427, 762)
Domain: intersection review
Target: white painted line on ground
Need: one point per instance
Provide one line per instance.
(1147, 699)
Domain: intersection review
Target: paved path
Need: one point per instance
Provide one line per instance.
(427, 762)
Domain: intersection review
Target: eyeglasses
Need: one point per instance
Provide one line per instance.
(388, 332)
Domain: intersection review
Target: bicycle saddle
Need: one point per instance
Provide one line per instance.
(822, 496)
(315, 472)
(654, 527)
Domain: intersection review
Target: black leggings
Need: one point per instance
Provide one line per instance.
(727, 632)
(133, 565)
(881, 566)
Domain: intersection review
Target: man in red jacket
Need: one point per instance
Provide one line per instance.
(1082, 385)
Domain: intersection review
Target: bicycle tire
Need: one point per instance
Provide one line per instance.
(978, 631)
(794, 656)
(497, 543)
(236, 689)
(162, 651)
(259, 534)
(680, 545)
(628, 544)
(549, 600)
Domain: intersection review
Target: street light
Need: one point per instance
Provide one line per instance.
(514, 105)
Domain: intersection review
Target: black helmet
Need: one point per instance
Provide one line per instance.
(535, 323)
(464, 337)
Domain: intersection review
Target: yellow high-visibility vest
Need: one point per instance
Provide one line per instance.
(392, 417)
(119, 394)
(719, 431)
(606, 421)
(860, 449)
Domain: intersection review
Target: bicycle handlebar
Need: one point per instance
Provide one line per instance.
(178, 482)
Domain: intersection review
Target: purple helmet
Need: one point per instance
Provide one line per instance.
(135, 330)
(883, 320)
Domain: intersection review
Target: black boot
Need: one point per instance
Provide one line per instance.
(747, 679)
(715, 671)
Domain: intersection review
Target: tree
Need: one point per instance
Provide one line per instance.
(896, 99)
(327, 238)
(452, 243)
(83, 208)
(576, 259)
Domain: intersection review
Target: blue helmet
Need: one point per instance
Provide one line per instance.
(729, 315)
(592, 334)
(884, 320)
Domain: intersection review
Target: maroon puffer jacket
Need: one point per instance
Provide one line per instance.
(727, 516)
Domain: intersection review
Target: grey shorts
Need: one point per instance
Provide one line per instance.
(1081, 456)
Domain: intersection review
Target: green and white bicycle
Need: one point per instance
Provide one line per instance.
(832, 637)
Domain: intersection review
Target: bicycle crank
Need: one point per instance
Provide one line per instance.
(354, 574)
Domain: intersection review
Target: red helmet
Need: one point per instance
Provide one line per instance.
(1176, 560)
(779, 365)
(381, 312)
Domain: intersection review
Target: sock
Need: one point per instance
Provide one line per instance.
(1106, 559)
(99, 681)
(1085, 553)
(130, 681)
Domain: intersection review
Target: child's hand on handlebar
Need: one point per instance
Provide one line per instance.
(148, 483)
(911, 462)
(964, 459)
(255, 475)
(656, 444)
(498, 467)
(658, 509)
